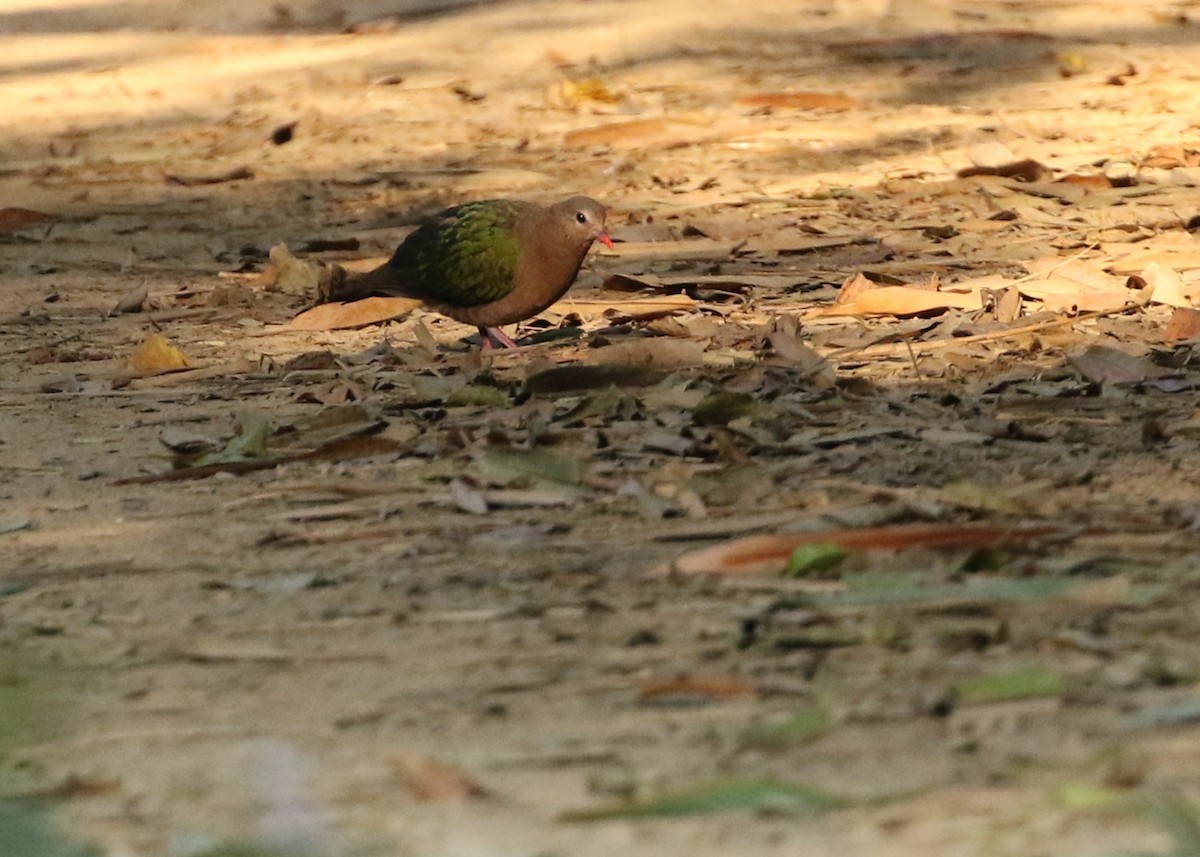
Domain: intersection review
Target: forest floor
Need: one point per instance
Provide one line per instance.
(849, 505)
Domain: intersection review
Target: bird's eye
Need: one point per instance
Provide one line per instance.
(580, 217)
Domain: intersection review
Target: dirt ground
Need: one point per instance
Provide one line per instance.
(914, 276)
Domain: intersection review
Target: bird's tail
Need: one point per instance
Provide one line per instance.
(338, 284)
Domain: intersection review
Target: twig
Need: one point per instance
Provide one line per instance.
(891, 348)
(36, 345)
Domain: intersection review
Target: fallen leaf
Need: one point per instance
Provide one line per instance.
(1166, 286)
(230, 175)
(16, 219)
(503, 465)
(573, 93)
(577, 377)
(721, 408)
(1172, 714)
(798, 100)
(788, 343)
(1094, 182)
(730, 796)
(899, 301)
(290, 275)
(813, 560)
(132, 301)
(693, 687)
(1028, 683)
(658, 352)
(156, 355)
(478, 396)
(468, 499)
(337, 316)
(769, 554)
(249, 443)
(345, 449)
(633, 133)
(430, 780)
(1184, 324)
(803, 727)
(13, 525)
(1107, 365)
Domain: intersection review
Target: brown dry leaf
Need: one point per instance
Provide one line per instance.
(658, 353)
(633, 133)
(430, 780)
(1184, 324)
(709, 687)
(16, 219)
(899, 301)
(635, 308)
(1171, 156)
(156, 355)
(769, 554)
(1107, 365)
(799, 100)
(1092, 182)
(355, 314)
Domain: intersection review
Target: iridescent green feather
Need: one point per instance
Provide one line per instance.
(467, 257)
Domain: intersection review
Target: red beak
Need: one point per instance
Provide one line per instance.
(604, 239)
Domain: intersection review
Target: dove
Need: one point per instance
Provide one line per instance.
(488, 263)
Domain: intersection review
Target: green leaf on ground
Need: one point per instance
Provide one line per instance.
(729, 796)
(813, 560)
(1027, 683)
(803, 727)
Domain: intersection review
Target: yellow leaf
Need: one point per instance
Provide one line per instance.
(155, 355)
(576, 92)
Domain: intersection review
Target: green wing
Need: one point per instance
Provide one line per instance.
(466, 257)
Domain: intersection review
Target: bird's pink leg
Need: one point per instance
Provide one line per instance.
(493, 335)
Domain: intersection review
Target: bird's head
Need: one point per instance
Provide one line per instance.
(582, 220)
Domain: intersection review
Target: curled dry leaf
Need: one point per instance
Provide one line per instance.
(288, 274)
(230, 175)
(431, 780)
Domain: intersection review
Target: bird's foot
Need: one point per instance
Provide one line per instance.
(494, 337)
